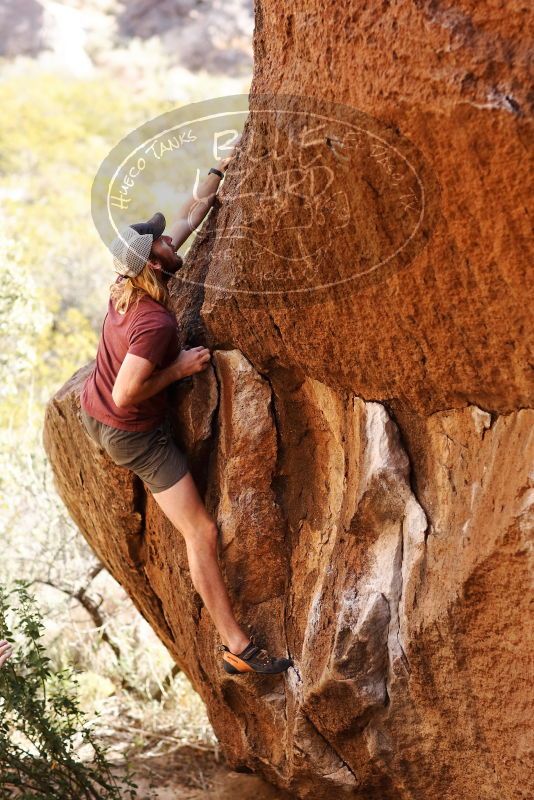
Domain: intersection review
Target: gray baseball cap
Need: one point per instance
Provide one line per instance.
(131, 248)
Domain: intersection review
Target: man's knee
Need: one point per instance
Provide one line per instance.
(204, 537)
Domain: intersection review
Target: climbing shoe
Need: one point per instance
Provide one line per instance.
(253, 659)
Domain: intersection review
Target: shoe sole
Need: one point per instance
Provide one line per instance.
(232, 670)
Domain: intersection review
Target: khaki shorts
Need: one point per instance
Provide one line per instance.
(152, 455)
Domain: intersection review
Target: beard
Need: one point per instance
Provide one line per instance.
(171, 264)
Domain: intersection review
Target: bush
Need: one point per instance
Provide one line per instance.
(42, 728)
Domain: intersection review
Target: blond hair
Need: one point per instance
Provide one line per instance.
(126, 291)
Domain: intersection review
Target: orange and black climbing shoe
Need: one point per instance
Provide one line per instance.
(253, 659)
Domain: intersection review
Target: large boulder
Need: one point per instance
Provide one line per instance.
(365, 452)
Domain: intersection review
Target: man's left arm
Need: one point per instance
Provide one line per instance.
(195, 209)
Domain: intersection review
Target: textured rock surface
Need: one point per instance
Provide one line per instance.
(367, 461)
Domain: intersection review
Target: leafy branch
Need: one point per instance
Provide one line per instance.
(42, 727)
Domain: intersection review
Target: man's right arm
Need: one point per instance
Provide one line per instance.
(138, 379)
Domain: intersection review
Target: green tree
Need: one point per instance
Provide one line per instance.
(42, 728)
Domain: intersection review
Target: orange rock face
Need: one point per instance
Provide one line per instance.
(365, 452)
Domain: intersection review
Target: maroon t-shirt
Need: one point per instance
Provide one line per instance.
(147, 330)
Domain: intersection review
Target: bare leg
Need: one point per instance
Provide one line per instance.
(183, 505)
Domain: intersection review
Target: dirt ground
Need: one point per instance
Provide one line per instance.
(197, 773)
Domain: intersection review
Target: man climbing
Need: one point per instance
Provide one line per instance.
(124, 403)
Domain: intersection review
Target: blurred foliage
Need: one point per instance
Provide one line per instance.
(41, 344)
(43, 731)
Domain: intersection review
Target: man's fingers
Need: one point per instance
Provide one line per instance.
(202, 356)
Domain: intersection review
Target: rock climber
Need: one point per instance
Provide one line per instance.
(124, 404)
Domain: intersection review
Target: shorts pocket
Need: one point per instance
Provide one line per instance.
(125, 446)
(162, 434)
(163, 438)
(130, 448)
